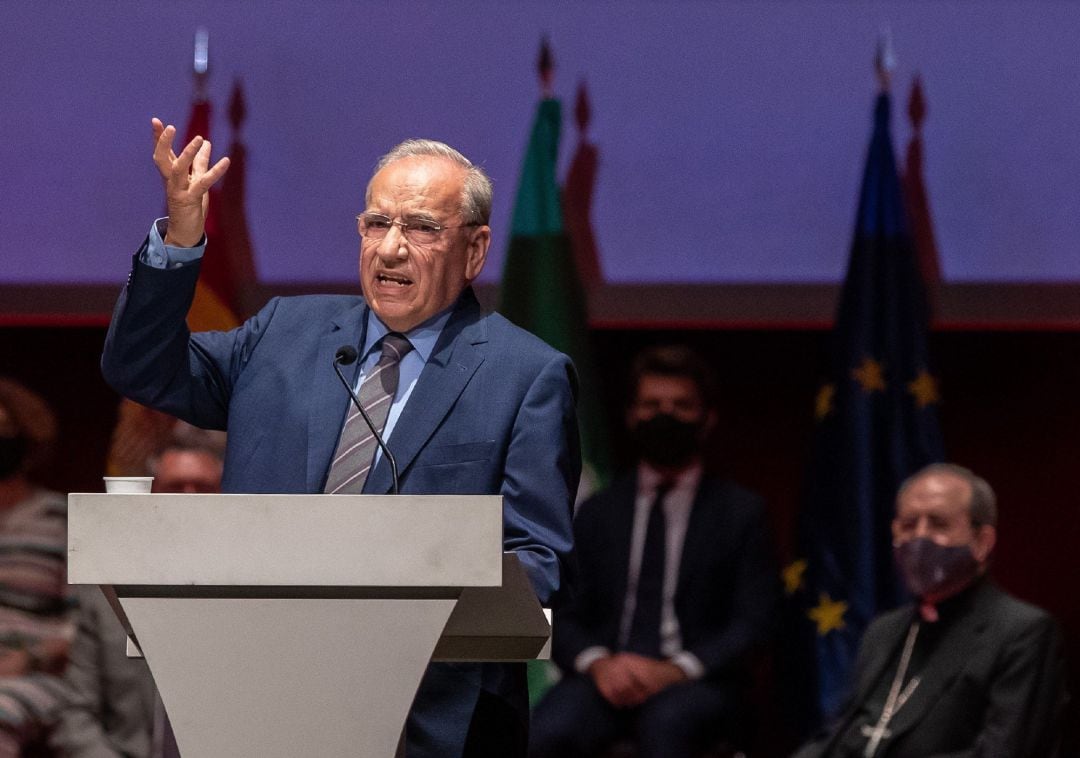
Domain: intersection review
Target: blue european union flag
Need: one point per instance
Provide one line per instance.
(877, 423)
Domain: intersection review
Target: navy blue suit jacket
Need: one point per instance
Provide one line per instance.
(492, 413)
(727, 585)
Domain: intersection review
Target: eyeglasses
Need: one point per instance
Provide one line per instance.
(419, 231)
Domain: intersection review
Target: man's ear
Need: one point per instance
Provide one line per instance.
(476, 254)
(985, 539)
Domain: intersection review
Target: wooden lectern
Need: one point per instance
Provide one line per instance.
(292, 625)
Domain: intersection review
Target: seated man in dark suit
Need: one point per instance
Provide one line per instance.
(676, 588)
(966, 670)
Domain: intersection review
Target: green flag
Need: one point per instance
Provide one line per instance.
(541, 289)
(542, 292)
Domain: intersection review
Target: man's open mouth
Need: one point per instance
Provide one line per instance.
(400, 281)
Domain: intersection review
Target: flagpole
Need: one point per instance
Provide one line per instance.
(200, 68)
(545, 66)
(885, 60)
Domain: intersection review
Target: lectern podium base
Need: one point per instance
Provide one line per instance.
(261, 678)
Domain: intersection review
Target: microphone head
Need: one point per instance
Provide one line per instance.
(345, 355)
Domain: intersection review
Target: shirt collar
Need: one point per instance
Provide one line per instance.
(954, 605)
(422, 337)
(649, 478)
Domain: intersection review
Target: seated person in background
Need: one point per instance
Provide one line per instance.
(114, 709)
(965, 670)
(676, 586)
(35, 609)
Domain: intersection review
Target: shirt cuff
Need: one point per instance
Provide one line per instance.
(159, 255)
(690, 664)
(588, 657)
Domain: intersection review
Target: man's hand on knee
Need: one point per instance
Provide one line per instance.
(615, 681)
(653, 675)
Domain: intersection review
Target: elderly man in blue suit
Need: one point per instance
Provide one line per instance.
(475, 405)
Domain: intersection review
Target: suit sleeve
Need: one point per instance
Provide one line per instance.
(753, 604)
(151, 357)
(1026, 699)
(79, 731)
(540, 479)
(577, 625)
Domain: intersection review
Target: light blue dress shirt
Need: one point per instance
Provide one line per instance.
(423, 339)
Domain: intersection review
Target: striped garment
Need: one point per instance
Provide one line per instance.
(35, 606)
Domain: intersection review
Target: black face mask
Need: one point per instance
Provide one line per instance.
(665, 441)
(12, 455)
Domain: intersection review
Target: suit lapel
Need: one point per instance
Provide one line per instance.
(457, 355)
(943, 665)
(329, 402)
(698, 532)
(623, 498)
(879, 659)
(876, 661)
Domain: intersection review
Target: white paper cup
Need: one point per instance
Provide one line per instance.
(128, 485)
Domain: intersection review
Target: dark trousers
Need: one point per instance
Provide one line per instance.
(454, 716)
(575, 721)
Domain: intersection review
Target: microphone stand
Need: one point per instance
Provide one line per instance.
(347, 356)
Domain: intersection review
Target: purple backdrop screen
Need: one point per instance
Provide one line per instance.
(731, 134)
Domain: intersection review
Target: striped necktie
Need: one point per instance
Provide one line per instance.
(356, 447)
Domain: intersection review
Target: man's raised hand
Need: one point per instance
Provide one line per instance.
(188, 178)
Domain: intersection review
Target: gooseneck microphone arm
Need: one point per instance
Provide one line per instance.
(345, 356)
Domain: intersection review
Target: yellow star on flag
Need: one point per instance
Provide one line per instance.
(870, 375)
(823, 404)
(925, 389)
(793, 576)
(828, 614)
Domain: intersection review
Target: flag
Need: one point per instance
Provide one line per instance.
(230, 271)
(876, 423)
(577, 198)
(541, 291)
(916, 200)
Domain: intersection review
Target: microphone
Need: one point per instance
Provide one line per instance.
(345, 356)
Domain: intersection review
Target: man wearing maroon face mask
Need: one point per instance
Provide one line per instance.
(966, 670)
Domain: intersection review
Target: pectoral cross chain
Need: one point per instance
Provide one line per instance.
(896, 698)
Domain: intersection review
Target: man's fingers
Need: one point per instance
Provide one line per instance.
(180, 171)
(218, 170)
(163, 137)
(208, 178)
(191, 149)
(202, 159)
(158, 128)
(639, 683)
(191, 169)
(638, 669)
(628, 694)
